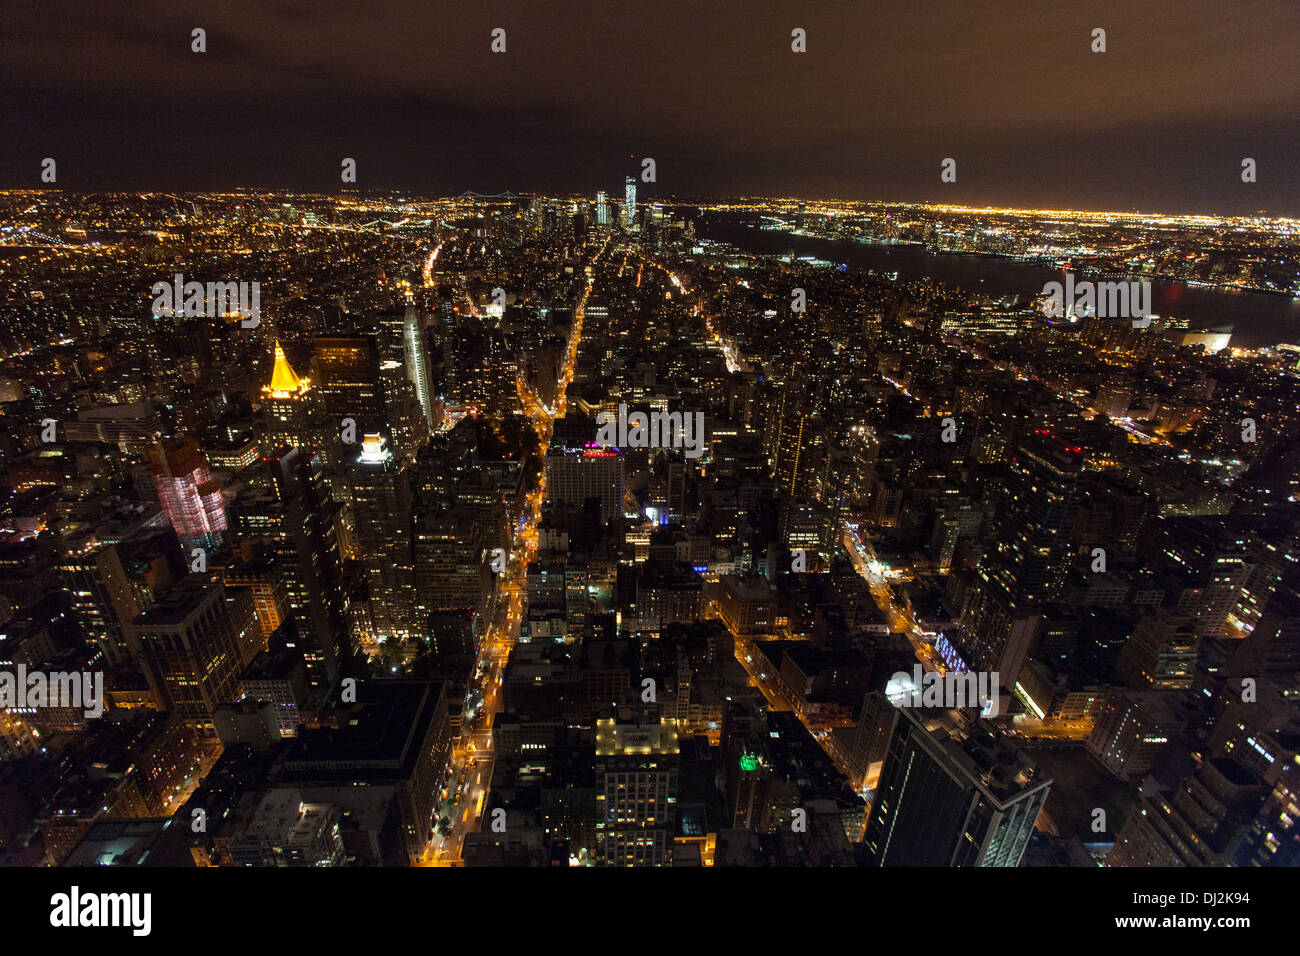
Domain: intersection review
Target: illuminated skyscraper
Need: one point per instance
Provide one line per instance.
(190, 497)
(381, 495)
(801, 453)
(417, 362)
(407, 427)
(287, 404)
(405, 377)
(1131, 729)
(349, 379)
(602, 211)
(1035, 509)
(629, 201)
(1273, 648)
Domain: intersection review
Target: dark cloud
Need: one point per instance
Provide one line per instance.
(709, 88)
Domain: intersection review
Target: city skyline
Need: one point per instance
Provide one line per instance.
(718, 200)
(714, 437)
(644, 495)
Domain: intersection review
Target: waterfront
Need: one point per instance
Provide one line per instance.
(1257, 318)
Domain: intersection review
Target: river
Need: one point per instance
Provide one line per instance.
(1257, 318)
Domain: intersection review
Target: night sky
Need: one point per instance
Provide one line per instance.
(709, 88)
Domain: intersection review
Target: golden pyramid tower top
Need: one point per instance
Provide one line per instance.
(284, 381)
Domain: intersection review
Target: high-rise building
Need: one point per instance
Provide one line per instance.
(310, 559)
(350, 383)
(1161, 653)
(870, 740)
(947, 800)
(1272, 649)
(801, 454)
(1271, 554)
(287, 402)
(406, 420)
(190, 497)
(629, 202)
(1131, 729)
(381, 495)
(417, 362)
(1033, 516)
(602, 210)
(1274, 837)
(278, 675)
(574, 475)
(636, 792)
(193, 645)
(129, 426)
(451, 571)
(264, 581)
(1028, 556)
(102, 594)
(1211, 553)
(747, 603)
(406, 373)
(1201, 823)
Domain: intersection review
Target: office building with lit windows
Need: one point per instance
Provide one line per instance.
(288, 402)
(194, 644)
(574, 475)
(636, 792)
(382, 502)
(629, 202)
(950, 799)
(1026, 564)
